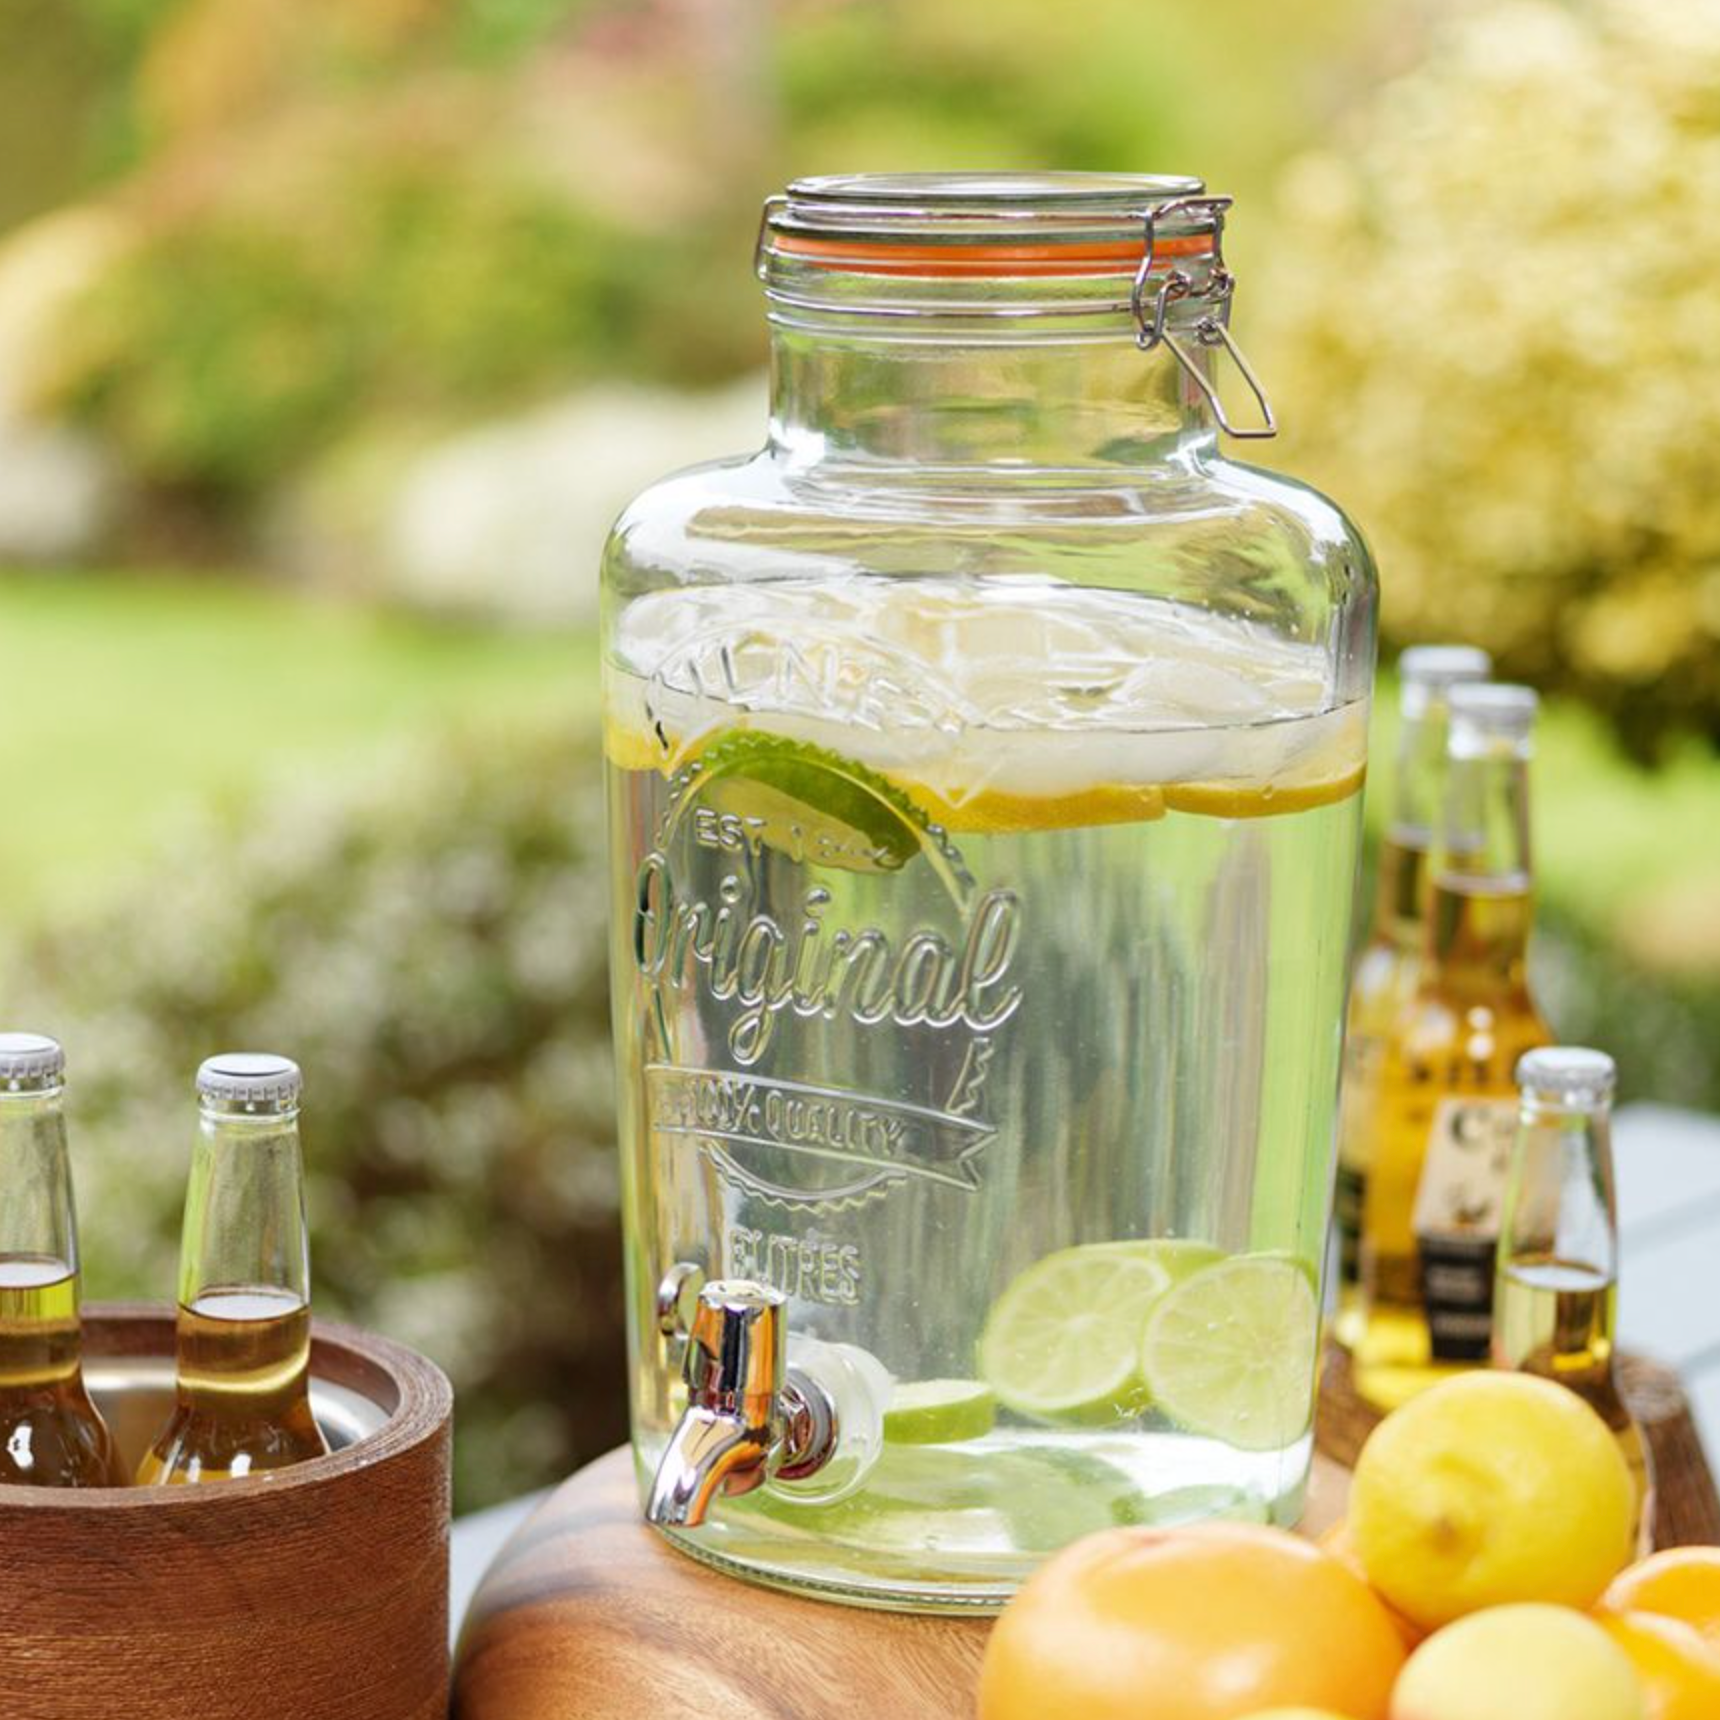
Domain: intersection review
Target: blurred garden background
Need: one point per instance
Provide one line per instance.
(334, 332)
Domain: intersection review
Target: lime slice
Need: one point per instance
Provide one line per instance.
(1028, 1501)
(1229, 1352)
(1180, 1256)
(939, 1412)
(808, 803)
(1063, 1341)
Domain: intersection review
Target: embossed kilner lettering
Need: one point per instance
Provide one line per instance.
(746, 956)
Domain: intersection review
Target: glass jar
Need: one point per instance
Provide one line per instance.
(984, 759)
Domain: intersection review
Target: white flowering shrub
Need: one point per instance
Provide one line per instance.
(430, 945)
(1493, 325)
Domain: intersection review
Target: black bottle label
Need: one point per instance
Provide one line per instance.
(1457, 1222)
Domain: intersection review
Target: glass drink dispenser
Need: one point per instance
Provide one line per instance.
(984, 762)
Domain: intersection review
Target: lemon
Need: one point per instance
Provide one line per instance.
(1062, 1343)
(1229, 1351)
(939, 1412)
(1489, 1489)
(1523, 1662)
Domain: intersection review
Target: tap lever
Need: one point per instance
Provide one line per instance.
(683, 1281)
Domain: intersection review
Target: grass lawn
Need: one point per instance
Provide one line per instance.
(132, 700)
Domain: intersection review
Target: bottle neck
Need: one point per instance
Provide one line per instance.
(1402, 885)
(1481, 877)
(1558, 1242)
(38, 1222)
(930, 400)
(245, 1210)
(1417, 791)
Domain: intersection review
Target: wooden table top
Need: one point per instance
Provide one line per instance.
(586, 1614)
(589, 1615)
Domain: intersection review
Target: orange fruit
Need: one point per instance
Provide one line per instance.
(1296, 1714)
(1211, 1622)
(1679, 1672)
(1679, 1582)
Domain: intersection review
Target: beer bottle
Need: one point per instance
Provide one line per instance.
(242, 1399)
(1556, 1298)
(1385, 971)
(51, 1434)
(1446, 1112)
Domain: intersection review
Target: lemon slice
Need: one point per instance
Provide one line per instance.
(1063, 1342)
(939, 1412)
(1229, 1352)
(992, 812)
(811, 804)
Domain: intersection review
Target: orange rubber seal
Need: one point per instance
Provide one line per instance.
(861, 257)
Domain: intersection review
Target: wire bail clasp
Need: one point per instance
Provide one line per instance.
(1212, 328)
(772, 204)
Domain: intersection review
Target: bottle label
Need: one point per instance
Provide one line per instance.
(1350, 1199)
(1457, 1208)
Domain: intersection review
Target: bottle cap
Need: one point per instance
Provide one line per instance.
(1444, 665)
(1492, 709)
(250, 1079)
(1568, 1075)
(1426, 673)
(30, 1062)
(1495, 703)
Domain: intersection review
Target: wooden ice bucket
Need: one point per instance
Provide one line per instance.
(319, 1595)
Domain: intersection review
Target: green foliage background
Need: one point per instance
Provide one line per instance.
(343, 210)
(1477, 245)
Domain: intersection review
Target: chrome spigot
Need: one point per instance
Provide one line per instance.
(749, 1416)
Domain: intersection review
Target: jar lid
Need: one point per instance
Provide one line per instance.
(1010, 225)
(1013, 250)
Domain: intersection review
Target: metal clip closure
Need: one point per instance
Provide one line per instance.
(777, 200)
(1211, 329)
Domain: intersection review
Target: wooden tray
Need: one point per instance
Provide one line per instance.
(1687, 1509)
(588, 1615)
(319, 1594)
